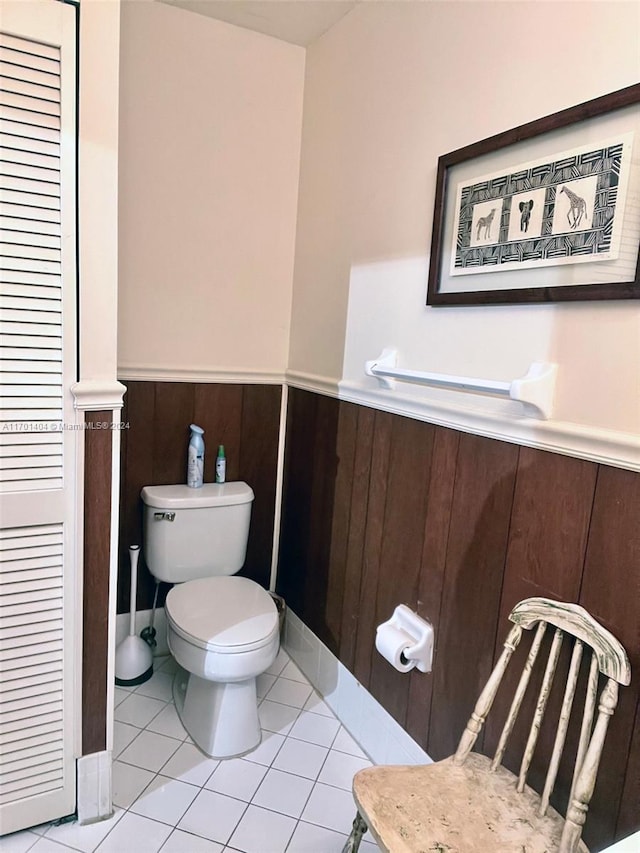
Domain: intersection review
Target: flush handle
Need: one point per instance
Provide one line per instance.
(164, 516)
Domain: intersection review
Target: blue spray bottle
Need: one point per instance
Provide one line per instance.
(195, 459)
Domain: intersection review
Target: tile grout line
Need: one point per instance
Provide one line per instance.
(298, 821)
(269, 767)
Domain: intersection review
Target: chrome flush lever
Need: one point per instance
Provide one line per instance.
(164, 516)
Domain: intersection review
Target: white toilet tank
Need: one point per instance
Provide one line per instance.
(195, 533)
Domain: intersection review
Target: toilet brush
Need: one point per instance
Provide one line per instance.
(134, 658)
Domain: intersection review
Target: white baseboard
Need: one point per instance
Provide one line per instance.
(630, 844)
(380, 736)
(143, 618)
(94, 787)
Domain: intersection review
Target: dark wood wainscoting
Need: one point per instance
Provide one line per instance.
(245, 418)
(381, 510)
(96, 572)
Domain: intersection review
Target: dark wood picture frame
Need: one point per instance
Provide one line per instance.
(437, 296)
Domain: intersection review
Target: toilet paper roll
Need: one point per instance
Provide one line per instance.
(391, 643)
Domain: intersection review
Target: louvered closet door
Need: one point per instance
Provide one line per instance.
(37, 456)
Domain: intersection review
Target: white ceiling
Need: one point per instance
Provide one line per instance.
(297, 21)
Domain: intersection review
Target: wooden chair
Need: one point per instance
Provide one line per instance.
(468, 803)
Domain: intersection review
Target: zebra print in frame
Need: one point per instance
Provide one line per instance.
(564, 210)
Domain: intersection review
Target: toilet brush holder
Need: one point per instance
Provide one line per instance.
(134, 658)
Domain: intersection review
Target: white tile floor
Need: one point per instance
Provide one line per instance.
(293, 793)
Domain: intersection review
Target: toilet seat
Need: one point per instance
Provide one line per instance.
(227, 615)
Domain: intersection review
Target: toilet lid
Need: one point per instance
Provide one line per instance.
(228, 614)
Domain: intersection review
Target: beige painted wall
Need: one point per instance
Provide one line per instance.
(390, 88)
(210, 118)
(98, 190)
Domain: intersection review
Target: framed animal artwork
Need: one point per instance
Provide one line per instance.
(545, 212)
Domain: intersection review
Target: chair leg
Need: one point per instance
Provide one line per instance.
(358, 830)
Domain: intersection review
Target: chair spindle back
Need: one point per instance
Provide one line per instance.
(607, 657)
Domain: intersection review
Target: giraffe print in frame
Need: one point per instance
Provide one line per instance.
(577, 207)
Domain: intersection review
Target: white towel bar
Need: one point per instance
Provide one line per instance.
(535, 390)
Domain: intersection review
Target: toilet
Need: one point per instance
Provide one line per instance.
(222, 630)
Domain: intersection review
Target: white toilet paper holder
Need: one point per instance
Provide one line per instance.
(404, 619)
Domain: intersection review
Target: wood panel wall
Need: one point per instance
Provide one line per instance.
(96, 572)
(381, 510)
(245, 418)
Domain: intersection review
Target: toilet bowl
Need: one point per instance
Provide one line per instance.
(223, 632)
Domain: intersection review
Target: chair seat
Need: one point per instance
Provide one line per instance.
(454, 809)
